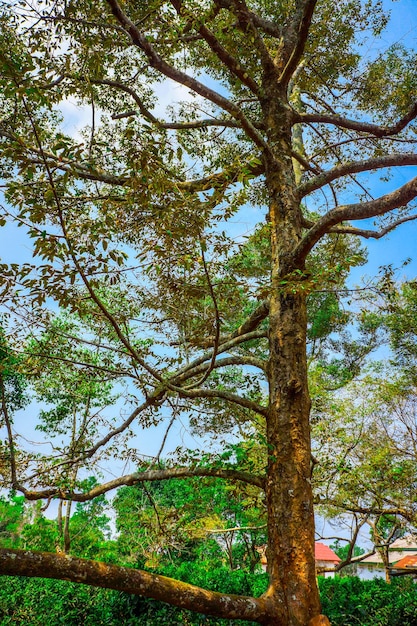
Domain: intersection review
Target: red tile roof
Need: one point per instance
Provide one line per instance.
(407, 561)
(321, 553)
(324, 553)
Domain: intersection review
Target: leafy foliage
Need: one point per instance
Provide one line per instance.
(143, 306)
(369, 602)
(346, 600)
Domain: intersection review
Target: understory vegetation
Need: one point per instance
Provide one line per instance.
(346, 601)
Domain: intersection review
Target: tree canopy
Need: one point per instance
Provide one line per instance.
(141, 303)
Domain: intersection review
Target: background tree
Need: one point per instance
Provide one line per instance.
(191, 520)
(127, 222)
(367, 475)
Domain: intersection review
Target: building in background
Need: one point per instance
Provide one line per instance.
(373, 566)
(326, 559)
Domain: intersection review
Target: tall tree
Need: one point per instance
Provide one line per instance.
(279, 109)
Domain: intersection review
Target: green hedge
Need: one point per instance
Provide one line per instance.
(346, 601)
(39, 602)
(349, 601)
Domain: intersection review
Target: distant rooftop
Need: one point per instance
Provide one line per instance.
(409, 542)
(396, 551)
(324, 553)
(407, 562)
(321, 553)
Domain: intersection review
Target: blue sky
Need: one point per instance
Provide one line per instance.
(402, 243)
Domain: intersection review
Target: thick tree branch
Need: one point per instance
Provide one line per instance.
(269, 28)
(122, 87)
(306, 9)
(251, 323)
(141, 477)
(360, 211)
(363, 127)
(259, 314)
(309, 167)
(324, 178)
(225, 395)
(228, 343)
(249, 27)
(158, 63)
(137, 582)
(245, 360)
(222, 54)
(345, 563)
(372, 234)
(352, 542)
(219, 179)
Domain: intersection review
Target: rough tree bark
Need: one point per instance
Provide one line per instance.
(293, 586)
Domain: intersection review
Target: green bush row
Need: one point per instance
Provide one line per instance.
(346, 601)
(25, 601)
(349, 601)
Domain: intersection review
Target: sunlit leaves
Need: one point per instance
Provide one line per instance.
(392, 76)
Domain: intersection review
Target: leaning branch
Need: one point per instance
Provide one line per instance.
(306, 9)
(246, 360)
(148, 115)
(192, 125)
(372, 234)
(141, 477)
(353, 560)
(363, 127)
(129, 580)
(358, 211)
(222, 54)
(268, 27)
(249, 27)
(227, 176)
(392, 160)
(253, 321)
(232, 398)
(226, 344)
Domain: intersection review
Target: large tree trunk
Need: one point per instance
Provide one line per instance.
(293, 586)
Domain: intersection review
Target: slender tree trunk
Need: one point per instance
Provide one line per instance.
(293, 586)
(385, 560)
(67, 536)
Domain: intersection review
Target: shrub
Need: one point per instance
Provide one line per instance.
(346, 601)
(353, 602)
